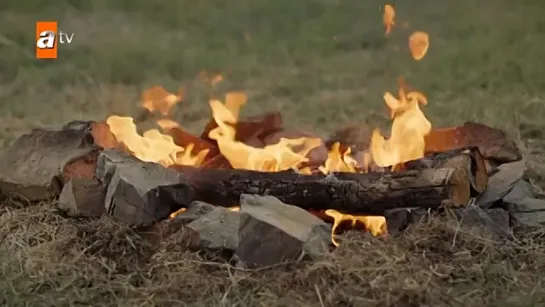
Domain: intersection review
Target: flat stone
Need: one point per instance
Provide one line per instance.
(501, 183)
(217, 229)
(82, 197)
(494, 221)
(140, 193)
(272, 232)
(32, 168)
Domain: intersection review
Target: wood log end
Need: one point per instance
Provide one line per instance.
(460, 191)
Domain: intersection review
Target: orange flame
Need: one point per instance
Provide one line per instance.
(157, 99)
(419, 42)
(337, 162)
(152, 145)
(272, 158)
(409, 126)
(376, 225)
(388, 18)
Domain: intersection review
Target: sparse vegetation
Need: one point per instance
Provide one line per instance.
(324, 64)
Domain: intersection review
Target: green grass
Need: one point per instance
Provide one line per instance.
(323, 63)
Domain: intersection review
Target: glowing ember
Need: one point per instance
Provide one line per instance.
(376, 225)
(388, 18)
(176, 213)
(183, 210)
(419, 42)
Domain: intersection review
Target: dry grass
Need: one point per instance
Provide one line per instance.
(52, 261)
(324, 63)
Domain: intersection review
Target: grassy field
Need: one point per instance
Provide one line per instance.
(324, 64)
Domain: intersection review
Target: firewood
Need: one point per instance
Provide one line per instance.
(219, 161)
(183, 138)
(370, 193)
(103, 136)
(140, 193)
(492, 143)
(250, 127)
(467, 159)
(272, 232)
(82, 197)
(501, 183)
(83, 167)
(355, 136)
(32, 167)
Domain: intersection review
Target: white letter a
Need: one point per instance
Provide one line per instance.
(46, 40)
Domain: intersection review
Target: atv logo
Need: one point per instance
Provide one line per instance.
(48, 38)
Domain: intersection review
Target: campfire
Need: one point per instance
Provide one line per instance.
(257, 188)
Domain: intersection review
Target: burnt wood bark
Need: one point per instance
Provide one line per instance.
(370, 193)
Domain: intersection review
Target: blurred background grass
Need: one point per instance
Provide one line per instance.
(324, 63)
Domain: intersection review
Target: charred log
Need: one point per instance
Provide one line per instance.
(370, 193)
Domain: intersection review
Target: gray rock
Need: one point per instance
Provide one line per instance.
(32, 167)
(272, 232)
(82, 197)
(140, 193)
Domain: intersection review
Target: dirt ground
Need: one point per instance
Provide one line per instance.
(324, 64)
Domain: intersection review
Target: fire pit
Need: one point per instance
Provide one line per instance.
(246, 183)
(266, 193)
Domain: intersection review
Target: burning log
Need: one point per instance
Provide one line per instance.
(185, 139)
(370, 193)
(492, 143)
(250, 128)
